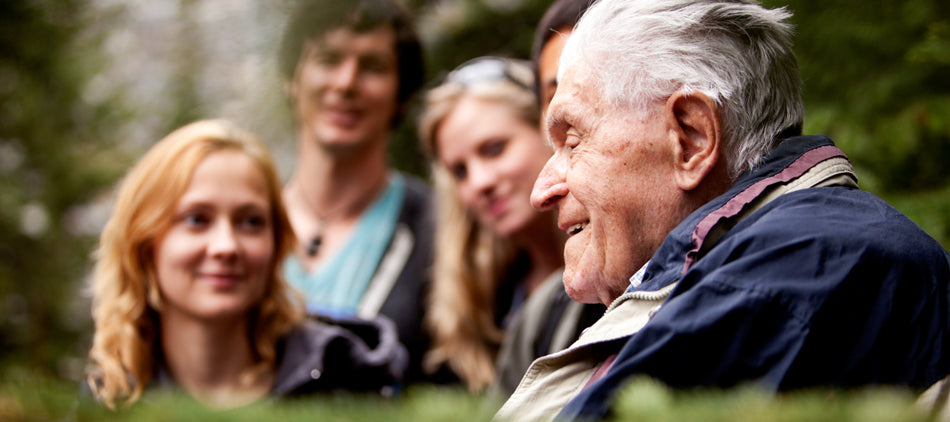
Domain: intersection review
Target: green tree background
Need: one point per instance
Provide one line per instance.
(877, 80)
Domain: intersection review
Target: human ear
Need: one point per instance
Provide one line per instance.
(696, 133)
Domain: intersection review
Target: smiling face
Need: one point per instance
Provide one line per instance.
(215, 259)
(345, 88)
(610, 179)
(494, 157)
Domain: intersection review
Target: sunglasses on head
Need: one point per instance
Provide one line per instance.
(489, 68)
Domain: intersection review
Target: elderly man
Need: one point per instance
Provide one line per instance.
(729, 248)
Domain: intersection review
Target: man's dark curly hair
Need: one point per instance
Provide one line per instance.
(311, 19)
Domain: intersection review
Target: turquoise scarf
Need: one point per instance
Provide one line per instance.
(336, 288)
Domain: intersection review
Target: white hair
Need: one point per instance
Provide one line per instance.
(738, 53)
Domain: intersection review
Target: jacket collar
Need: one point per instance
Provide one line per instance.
(782, 170)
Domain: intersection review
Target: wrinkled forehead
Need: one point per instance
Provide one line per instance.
(575, 97)
(580, 67)
(569, 57)
(577, 81)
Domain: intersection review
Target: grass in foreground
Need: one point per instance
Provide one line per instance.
(642, 400)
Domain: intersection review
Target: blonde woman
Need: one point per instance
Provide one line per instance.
(481, 127)
(188, 293)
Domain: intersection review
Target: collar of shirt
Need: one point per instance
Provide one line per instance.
(637, 277)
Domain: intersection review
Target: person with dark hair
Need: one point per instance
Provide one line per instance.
(350, 69)
(313, 19)
(549, 37)
(729, 248)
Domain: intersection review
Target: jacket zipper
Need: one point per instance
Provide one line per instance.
(653, 295)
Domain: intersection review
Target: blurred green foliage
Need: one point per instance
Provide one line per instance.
(642, 400)
(649, 400)
(55, 153)
(876, 81)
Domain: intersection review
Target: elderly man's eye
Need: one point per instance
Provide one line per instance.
(571, 139)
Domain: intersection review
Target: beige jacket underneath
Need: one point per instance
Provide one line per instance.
(555, 379)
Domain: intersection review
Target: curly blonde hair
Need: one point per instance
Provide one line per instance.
(126, 298)
(472, 260)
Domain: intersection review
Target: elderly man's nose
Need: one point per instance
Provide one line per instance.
(550, 186)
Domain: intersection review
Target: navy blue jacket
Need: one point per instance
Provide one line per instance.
(826, 286)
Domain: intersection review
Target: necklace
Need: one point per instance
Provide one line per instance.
(313, 248)
(316, 240)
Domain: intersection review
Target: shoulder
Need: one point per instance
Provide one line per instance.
(417, 191)
(303, 348)
(548, 294)
(371, 341)
(840, 223)
(806, 246)
(417, 203)
(536, 313)
(335, 354)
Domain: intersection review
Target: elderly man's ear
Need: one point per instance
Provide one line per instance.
(696, 134)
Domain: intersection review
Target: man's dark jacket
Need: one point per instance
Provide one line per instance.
(825, 286)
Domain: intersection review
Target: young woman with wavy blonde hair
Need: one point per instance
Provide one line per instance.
(187, 289)
(493, 250)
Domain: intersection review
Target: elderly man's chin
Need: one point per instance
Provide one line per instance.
(581, 275)
(589, 282)
(582, 286)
